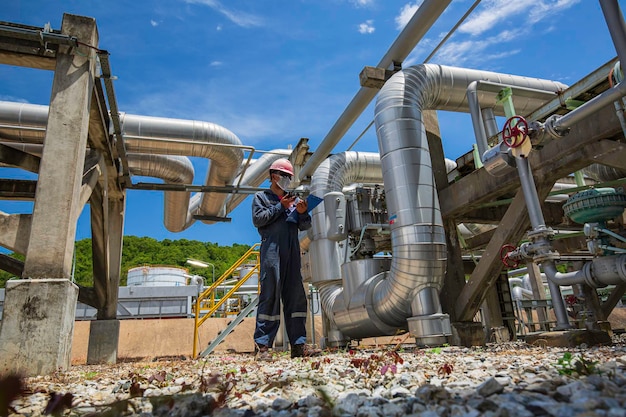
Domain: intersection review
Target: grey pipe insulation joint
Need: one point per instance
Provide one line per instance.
(597, 273)
(607, 270)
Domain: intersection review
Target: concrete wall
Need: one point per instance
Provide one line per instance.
(153, 338)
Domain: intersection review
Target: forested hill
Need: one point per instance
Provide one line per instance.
(140, 251)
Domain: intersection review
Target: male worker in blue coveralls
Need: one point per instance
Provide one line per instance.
(278, 216)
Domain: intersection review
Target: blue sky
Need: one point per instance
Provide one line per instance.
(275, 71)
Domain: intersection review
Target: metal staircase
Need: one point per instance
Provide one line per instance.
(221, 335)
(207, 303)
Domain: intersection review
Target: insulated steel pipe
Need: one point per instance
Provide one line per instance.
(386, 302)
(478, 121)
(205, 139)
(171, 169)
(417, 234)
(22, 122)
(332, 176)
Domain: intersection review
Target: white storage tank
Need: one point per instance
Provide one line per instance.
(245, 270)
(156, 276)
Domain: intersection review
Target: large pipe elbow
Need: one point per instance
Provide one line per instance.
(157, 135)
(173, 170)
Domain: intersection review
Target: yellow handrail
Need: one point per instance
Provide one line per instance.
(209, 293)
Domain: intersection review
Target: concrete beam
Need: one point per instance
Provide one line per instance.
(15, 157)
(38, 321)
(27, 60)
(14, 231)
(20, 190)
(511, 229)
(558, 158)
(99, 139)
(11, 265)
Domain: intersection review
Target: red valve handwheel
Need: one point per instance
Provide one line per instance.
(504, 256)
(512, 129)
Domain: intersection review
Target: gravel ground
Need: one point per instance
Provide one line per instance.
(511, 379)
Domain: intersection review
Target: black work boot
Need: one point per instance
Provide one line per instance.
(304, 351)
(262, 353)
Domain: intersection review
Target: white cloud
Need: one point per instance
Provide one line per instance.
(497, 12)
(543, 10)
(242, 19)
(406, 13)
(362, 3)
(475, 52)
(489, 34)
(216, 63)
(218, 28)
(367, 27)
(154, 23)
(4, 97)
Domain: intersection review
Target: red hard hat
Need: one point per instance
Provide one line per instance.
(282, 165)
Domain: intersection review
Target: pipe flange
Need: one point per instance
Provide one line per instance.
(527, 250)
(545, 232)
(621, 267)
(552, 129)
(538, 249)
(590, 279)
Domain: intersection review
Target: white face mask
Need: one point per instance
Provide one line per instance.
(283, 182)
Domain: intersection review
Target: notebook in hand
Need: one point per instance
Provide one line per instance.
(313, 201)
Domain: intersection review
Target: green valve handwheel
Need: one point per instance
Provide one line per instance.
(595, 205)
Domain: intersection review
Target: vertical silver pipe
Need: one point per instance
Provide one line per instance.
(617, 27)
(538, 222)
(491, 125)
(530, 194)
(477, 119)
(417, 234)
(418, 239)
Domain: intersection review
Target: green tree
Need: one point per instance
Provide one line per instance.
(147, 251)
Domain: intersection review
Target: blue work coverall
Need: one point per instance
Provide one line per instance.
(280, 269)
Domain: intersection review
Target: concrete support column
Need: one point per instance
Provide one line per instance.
(38, 323)
(57, 203)
(454, 279)
(468, 333)
(104, 336)
(37, 326)
(107, 226)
